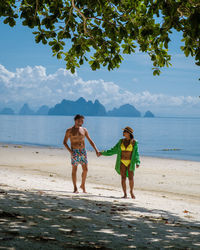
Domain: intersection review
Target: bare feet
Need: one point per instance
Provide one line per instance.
(83, 188)
(125, 196)
(132, 195)
(75, 190)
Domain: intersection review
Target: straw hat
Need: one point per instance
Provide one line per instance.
(128, 129)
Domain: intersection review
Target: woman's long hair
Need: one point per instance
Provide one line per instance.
(131, 136)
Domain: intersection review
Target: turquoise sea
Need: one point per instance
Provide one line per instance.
(177, 138)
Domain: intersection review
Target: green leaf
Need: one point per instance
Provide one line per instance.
(56, 47)
(187, 52)
(59, 56)
(109, 28)
(6, 20)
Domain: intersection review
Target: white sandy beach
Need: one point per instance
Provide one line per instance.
(38, 209)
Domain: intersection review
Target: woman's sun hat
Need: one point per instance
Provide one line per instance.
(128, 129)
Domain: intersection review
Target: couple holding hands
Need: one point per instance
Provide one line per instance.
(126, 150)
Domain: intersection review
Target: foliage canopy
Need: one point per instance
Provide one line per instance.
(101, 31)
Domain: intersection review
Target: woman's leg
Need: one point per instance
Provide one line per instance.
(131, 182)
(123, 178)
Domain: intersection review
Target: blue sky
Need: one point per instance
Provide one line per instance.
(29, 73)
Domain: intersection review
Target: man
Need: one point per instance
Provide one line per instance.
(77, 135)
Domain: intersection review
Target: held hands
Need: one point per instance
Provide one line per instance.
(98, 153)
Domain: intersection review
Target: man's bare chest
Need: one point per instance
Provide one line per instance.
(77, 134)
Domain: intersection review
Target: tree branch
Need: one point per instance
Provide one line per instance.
(70, 13)
(84, 18)
(36, 8)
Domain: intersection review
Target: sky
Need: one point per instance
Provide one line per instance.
(30, 74)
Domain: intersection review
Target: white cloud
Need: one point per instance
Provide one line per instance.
(35, 86)
(5, 75)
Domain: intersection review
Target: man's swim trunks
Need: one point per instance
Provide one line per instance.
(79, 156)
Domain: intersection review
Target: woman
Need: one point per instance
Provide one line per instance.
(127, 157)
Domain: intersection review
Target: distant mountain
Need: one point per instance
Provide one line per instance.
(43, 110)
(149, 114)
(25, 110)
(81, 106)
(125, 110)
(7, 111)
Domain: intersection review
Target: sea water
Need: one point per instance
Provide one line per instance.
(177, 138)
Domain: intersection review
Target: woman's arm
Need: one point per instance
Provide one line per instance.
(111, 151)
(137, 157)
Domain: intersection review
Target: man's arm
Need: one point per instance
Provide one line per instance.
(91, 142)
(65, 141)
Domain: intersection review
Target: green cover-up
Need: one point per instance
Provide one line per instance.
(135, 158)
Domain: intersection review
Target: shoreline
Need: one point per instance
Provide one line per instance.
(62, 148)
(158, 175)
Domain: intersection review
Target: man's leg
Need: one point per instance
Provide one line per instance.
(123, 179)
(74, 170)
(131, 182)
(84, 175)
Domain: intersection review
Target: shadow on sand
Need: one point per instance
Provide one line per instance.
(38, 220)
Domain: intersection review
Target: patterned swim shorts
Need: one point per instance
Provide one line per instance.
(79, 156)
